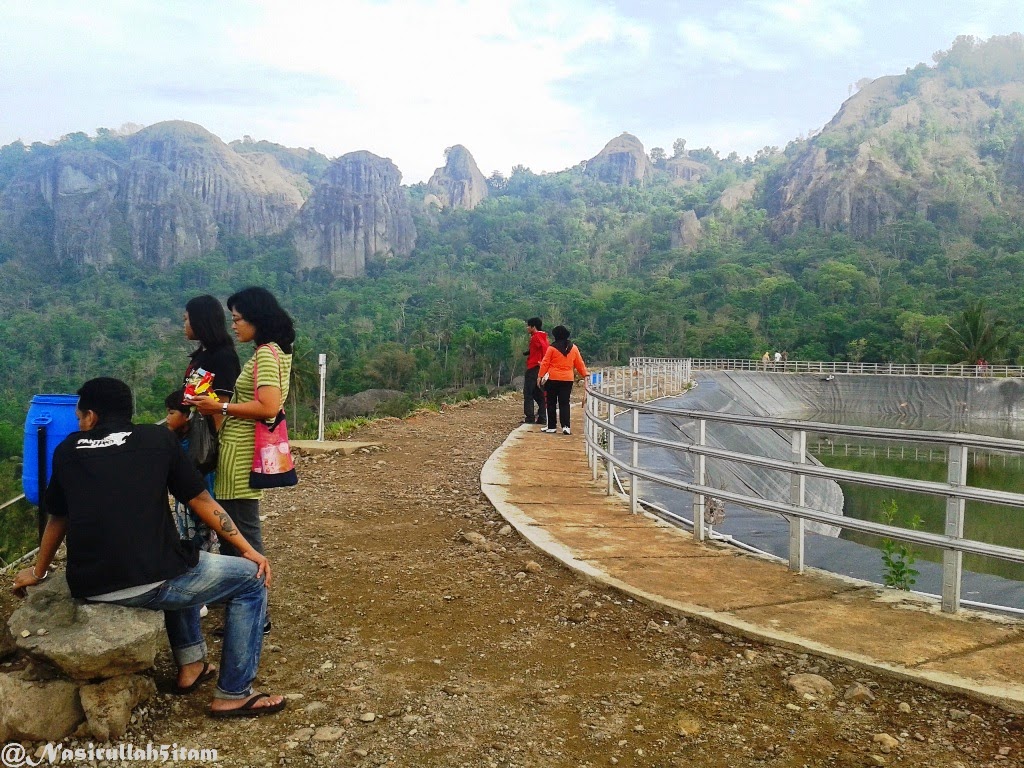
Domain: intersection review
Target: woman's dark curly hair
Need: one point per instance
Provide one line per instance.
(259, 307)
(208, 322)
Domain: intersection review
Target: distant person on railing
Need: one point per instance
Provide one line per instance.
(766, 358)
(778, 359)
(785, 357)
(557, 374)
(533, 392)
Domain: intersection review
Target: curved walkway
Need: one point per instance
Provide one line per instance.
(542, 485)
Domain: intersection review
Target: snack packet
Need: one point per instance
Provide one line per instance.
(199, 384)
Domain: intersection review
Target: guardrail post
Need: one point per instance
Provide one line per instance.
(594, 435)
(588, 426)
(609, 464)
(797, 493)
(953, 561)
(700, 478)
(634, 462)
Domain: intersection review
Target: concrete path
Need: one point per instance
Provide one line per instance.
(543, 486)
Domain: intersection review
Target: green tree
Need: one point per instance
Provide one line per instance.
(973, 335)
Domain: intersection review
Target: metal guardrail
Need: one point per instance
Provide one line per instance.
(820, 367)
(15, 500)
(617, 391)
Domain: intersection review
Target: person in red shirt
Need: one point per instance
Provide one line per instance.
(557, 372)
(533, 393)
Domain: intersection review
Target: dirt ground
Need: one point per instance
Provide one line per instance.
(400, 643)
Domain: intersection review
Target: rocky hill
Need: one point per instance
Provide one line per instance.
(622, 162)
(458, 183)
(939, 143)
(358, 211)
(171, 191)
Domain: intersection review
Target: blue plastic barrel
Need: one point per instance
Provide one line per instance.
(57, 414)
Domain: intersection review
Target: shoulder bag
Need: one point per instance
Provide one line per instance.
(203, 447)
(272, 465)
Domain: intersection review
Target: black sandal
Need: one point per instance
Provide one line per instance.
(207, 673)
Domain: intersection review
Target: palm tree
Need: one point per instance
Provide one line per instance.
(974, 335)
(305, 378)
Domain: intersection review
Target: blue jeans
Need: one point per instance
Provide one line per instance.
(214, 579)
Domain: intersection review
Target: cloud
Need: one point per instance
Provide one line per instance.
(773, 35)
(423, 75)
(727, 47)
(531, 82)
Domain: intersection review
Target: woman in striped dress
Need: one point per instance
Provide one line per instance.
(256, 317)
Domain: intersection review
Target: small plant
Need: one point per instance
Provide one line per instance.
(338, 429)
(898, 557)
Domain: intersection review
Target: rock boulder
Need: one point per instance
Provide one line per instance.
(622, 162)
(86, 640)
(362, 403)
(459, 184)
(688, 231)
(7, 645)
(108, 705)
(37, 710)
(357, 212)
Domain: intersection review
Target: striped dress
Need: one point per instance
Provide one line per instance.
(238, 436)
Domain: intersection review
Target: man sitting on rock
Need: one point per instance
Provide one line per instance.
(108, 495)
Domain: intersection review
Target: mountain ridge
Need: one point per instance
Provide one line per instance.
(940, 144)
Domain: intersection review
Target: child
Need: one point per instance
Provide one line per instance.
(190, 527)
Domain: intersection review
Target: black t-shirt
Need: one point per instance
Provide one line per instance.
(222, 363)
(111, 483)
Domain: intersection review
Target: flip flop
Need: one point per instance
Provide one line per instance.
(248, 709)
(207, 673)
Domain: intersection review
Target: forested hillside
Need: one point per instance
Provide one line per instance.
(609, 260)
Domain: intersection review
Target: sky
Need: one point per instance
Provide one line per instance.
(517, 82)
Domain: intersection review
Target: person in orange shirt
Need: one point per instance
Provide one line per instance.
(557, 374)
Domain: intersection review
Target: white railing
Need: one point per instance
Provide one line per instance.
(824, 447)
(618, 395)
(819, 367)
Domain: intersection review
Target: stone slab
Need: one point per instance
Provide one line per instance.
(721, 584)
(344, 447)
(996, 664)
(628, 539)
(857, 622)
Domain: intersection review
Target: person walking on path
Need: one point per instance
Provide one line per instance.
(557, 373)
(108, 497)
(533, 393)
